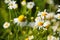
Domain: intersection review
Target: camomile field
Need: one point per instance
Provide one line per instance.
(29, 19)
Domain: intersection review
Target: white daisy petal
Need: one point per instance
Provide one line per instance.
(15, 20)
(7, 1)
(47, 23)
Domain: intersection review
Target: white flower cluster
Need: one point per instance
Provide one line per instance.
(45, 19)
(29, 5)
(11, 4)
(51, 37)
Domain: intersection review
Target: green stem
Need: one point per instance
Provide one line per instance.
(16, 36)
(50, 8)
(8, 37)
(30, 12)
(15, 13)
(36, 12)
(10, 14)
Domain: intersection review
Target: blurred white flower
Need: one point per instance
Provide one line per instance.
(57, 38)
(16, 20)
(50, 37)
(43, 14)
(53, 20)
(39, 13)
(12, 5)
(6, 25)
(23, 3)
(32, 18)
(31, 37)
(58, 10)
(39, 24)
(37, 19)
(7, 1)
(50, 16)
(46, 24)
(50, 2)
(30, 5)
(57, 16)
(58, 5)
(55, 26)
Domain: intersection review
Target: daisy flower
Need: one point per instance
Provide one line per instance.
(50, 2)
(55, 26)
(57, 16)
(39, 24)
(12, 5)
(6, 25)
(43, 14)
(50, 37)
(53, 20)
(30, 5)
(58, 10)
(50, 16)
(46, 24)
(20, 20)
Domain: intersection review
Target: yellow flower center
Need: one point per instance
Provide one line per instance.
(40, 23)
(44, 14)
(21, 18)
(6, 24)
